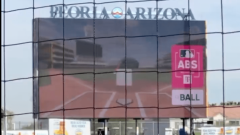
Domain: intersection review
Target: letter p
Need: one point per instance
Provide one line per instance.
(53, 11)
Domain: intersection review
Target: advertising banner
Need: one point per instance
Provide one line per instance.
(104, 67)
(220, 131)
(69, 127)
(27, 132)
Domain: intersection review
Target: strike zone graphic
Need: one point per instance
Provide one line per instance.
(188, 76)
(105, 72)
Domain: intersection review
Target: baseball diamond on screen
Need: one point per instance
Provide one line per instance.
(94, 62)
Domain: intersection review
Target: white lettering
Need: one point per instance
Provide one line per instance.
(186, 64)
(194, 64)
(180, 64)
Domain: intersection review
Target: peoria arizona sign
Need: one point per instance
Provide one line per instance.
(117, 13)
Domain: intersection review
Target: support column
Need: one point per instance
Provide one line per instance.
(106, 127)
(136, 127)
(191, 126)
(6, 125)
(184, 124)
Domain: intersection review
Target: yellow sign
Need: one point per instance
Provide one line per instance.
(238, 131)
(62, 130)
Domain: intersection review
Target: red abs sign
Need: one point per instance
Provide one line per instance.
(184, 59)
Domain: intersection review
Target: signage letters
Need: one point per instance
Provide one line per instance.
(85, 12)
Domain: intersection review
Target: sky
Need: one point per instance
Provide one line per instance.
(18, 59)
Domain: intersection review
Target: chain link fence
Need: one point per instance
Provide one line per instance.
(224, 86)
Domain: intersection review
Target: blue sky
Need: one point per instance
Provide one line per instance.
(19, 58)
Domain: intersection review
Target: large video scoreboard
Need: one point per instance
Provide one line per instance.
(152, 69)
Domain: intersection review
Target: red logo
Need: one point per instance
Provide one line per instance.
(187, 66)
